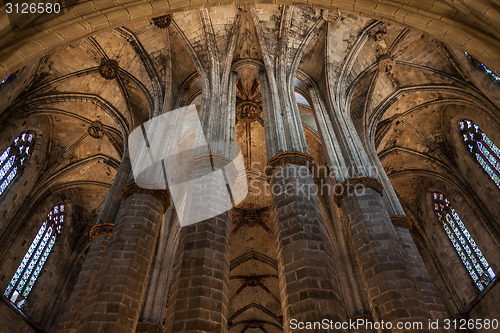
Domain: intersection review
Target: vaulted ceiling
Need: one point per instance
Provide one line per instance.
(405, 92)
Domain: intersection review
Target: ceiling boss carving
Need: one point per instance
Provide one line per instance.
(108, 69)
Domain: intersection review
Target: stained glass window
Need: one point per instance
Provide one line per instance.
(480, 271)
(4, 80)
(30, 267)
(482, 66)
(482, 148)
(14, 158)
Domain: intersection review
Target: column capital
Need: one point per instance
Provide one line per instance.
(103, 229)
(367, 317)
(288, 157)
(162, 195)
(349, 185)
(149, 328)
(212, 160)
(401, 221)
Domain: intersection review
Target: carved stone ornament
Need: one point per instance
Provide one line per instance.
(95, 130)
(108, 69)
(101, 230)
(401, 221)
(162, 22)
(288, 157)
(348, 187)
(386, 63)
(330, 15)
(162, 195)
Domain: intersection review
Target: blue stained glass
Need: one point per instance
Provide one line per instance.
(39, 266)
(488, 170)
(470, 239)
(8, 290)
(8, 180)
(492, 146)
(493, 161)
(34, 259)
(5, 80)
(487, 152)
(460, 253)
(27, 256)
(4, 155)
(7, 167)
(30, 267)
(490, 72)
(465, 246)
(12, 156)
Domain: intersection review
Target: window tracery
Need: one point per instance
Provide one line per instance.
(480, 271)
(30, 267)
(14, 158)
(484, 150)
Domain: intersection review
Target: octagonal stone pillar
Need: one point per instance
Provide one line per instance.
(114, 304)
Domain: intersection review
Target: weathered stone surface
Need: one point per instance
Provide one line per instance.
(308, 284)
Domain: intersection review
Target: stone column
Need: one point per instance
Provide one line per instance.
(308, 284)
(115, 302)
(383, 262)
(99, 234)
(198, 299)
(155, 303)
(435, 304)
(403, 225)
(199, 294)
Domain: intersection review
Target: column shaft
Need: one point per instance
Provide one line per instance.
(308, 285)
(199, 295)
(393, 292)
(115, 303)
(433, 299)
